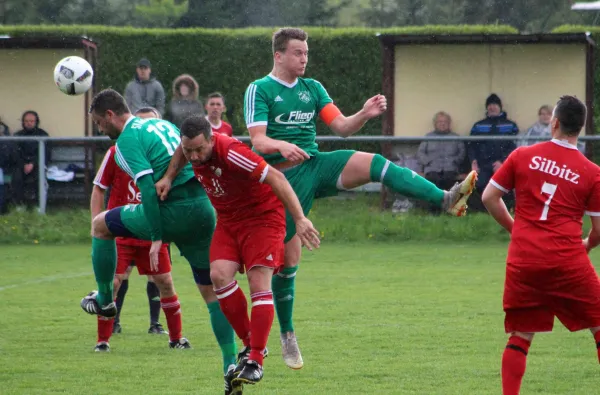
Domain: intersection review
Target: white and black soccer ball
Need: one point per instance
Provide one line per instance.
(73, 75)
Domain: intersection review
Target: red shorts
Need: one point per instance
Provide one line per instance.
(140, 256)
(533, 296)
(251, 243)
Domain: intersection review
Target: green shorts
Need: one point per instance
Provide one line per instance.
(188, 220)
(316, 178)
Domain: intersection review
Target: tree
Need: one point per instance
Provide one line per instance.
(160, 13)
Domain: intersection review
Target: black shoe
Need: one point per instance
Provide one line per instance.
(91, 306)
(117, 328)
(252, 373)
(231, 389)
(157, 329)
(182, 343)
(102, 347)
(243, 355)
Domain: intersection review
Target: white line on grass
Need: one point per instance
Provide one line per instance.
(45, 280)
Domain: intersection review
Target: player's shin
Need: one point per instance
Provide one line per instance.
(514, 362)
(235, 307)
(284, 287)
(105, 328)
(172, 309)
(153, 302)
(121, 298)
(223, 333)
(260, 324)
(104, 261)
(404, 181)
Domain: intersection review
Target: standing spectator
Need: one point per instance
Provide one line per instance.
(215, 107)
(25, 177)
(185, 101)
(441, 160)
(539, 129)
(7, 163)
(145, 90)
(487, 156)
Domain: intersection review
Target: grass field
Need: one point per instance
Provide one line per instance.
(405, 318)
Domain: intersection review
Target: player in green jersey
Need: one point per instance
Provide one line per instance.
(143, 150)
(281, 110)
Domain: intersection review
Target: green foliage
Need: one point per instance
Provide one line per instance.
(161, 13)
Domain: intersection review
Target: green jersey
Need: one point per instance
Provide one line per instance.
(146, 146)
(288, 110)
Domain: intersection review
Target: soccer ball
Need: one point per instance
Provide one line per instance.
(73, 75)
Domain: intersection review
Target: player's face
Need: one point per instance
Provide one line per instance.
(197, 150)
(106, 124)
(215, 107)
(295, 57)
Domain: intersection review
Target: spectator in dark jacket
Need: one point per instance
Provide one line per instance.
(486, 157)
(145, 90)
(25, 176)
(185, 102)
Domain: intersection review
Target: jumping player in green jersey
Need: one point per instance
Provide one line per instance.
(281, 110)
(143, 150)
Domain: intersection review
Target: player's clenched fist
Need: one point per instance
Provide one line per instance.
(307, 233)
(375, 106)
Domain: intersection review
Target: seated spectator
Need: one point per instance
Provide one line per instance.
(215, 107)
(7, 164)
(25, 176)
(185, 101)
(539, 129)
(487, 156)
(440, 160)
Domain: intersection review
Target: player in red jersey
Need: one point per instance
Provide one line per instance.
(122, 192)
(215, 107)
(247, 195)
(548, 272)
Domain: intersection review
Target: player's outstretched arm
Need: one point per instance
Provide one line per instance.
(178, 161)
(492, 200)
(282, 188)
(266, 145)
(346, 126)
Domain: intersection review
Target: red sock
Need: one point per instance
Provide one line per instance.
(172, 310)
(514, 361)
(105, 328)
(260, 324)
(597, 339)
(235, 307)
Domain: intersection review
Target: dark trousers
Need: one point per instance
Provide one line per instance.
(24, 186)
(483, 178)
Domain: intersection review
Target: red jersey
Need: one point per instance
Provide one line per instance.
(223, 128)
(555, 185)
(122, 189)
(233, 179)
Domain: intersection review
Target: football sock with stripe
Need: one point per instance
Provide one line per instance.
(104, 261)
(153, 302)
(235, 307)
(404, 181)
(260, 324)
(284, 287)
(105, 328)
(514, 362)
(597, 339)
(172, 310)
(121, 298)
(224, 334)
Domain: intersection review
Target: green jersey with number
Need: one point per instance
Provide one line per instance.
(289, 111)
(146, 146)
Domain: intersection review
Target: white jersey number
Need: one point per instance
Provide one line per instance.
(548, 189)
(173, 138)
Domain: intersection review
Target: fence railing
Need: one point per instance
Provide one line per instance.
(391, 140)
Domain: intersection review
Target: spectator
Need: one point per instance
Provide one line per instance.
(215, 107)
(487, 156)
(25, 177)
(145, 90)
(7, 164)
(185, 101)
(441, 160)
(539, 129)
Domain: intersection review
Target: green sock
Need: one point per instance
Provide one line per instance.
(224, 334)
(284, 288)
(104, 261)
(404, 181)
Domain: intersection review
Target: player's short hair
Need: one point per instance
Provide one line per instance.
(282, 36)
(146, 110)
(571, 114)
(194, 126)
(109, 99)
(216, 95)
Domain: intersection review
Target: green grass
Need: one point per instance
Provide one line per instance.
(403, 318)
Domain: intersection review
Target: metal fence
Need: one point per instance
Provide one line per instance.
(93, 143)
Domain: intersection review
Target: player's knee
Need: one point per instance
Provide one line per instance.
(219, 276)
(259, 279)
(164, 282)
(99, 228)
